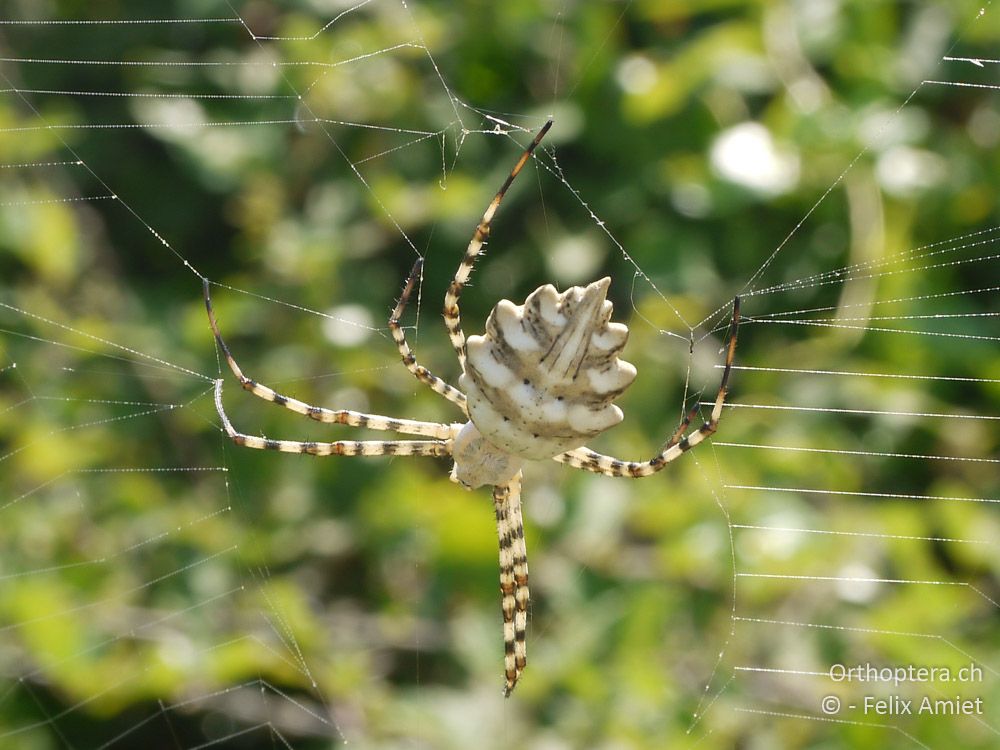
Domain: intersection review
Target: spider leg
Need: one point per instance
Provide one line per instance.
(420, 372)
(588, 460)
(452, 318)
(513, 579)
(335, 448)
(320, 414)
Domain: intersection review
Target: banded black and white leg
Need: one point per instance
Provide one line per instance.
(420, 372)
(452, 316)
(513, 579)
(440, 446)
(598, 463)
(336, 447)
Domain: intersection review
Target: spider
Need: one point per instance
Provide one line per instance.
(537, 385)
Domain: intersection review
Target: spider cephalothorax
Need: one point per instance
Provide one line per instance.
(538, 385)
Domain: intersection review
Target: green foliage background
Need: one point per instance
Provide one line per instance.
(161, 588)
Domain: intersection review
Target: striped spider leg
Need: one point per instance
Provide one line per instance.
(452, 318)
(420, 372)
(513, 579)
(588, 460)
(440, 446)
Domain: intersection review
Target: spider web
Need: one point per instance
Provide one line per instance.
(161, 586)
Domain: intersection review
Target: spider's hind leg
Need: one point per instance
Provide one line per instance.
(420, 372)
(452, 316)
